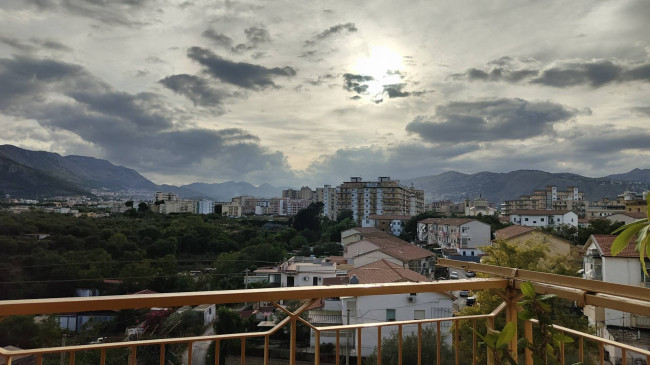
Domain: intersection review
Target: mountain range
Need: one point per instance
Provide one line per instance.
(38, 174)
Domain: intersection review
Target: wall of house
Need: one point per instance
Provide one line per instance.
(371, 309)
(478, 234)
(359, 248)
(372, 256)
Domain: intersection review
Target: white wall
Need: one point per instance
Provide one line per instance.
(371, 309)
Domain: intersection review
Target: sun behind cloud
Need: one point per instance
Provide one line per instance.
(383, 64)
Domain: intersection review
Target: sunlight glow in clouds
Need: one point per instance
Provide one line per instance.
(384, 65)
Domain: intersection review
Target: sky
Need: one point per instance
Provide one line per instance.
(313, 92)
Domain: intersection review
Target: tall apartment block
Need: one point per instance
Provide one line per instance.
(381, 197)
(328, 196)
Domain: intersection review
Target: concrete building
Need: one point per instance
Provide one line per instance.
(391, 249)
(551, 198)
(298, 271)
(625, 268)
(463, 235)
(381, 197)
(358, 233)
(478, 206)
(519, 235)
(391, 224)
(328, 196)
(544, 218)
(397, 307)
(626, 217)
(204, 207)
(166, 196)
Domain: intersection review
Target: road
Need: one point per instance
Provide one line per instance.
(199, 349)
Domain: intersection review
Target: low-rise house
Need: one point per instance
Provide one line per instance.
(297, 271)
(626, 217)
(624, 268)
(519, 235)
(392, 249)
(359, 233)
(464, 235)
(394, 307)
(208, 311)
(543, 218)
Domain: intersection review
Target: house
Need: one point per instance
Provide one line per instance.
(359, 233)
(626, 217)
(463, 235)
(297, 271)
(393, 307)
(543, 218)
(478, 206)
(391, 224)
(391, 249)
(208, 311)
(558, 246)
(625, 268)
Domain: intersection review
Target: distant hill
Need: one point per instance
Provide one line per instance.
(30, 174)
(26, 182)
(85, 172)
(497, 187)
(636, 175)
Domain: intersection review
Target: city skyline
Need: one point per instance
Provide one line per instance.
(305, 94)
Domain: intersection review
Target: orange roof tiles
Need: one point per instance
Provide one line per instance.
(383, 271)
(407, 252)
(512, 231)
(604, 243)
(449, 221)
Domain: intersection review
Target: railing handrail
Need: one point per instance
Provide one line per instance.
(133, 301)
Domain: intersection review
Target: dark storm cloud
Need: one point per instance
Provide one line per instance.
(137, 130)
(567, 74)
(339, 29)
(356, 83)
(242, 74)
(490, 120)
(34, 44)
(218, 38)
(255, 36)
(196, 89)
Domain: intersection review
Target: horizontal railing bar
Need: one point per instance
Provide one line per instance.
(398, 323)
(587, 285)
(117, 302)
(591, 337)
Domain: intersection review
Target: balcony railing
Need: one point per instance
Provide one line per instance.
(505, 282)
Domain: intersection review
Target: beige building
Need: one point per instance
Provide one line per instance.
(359, 233)
(381, 197)
(551, 198)
(328, 196)
(519, 235)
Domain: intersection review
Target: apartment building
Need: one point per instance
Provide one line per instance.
(165, 196)
(381, 197)
(543, 218)
(551, 198)
(465, 235)
(328, 196)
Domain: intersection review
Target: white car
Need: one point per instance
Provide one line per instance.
(453, 275)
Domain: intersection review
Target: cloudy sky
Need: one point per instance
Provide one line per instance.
(312, 92)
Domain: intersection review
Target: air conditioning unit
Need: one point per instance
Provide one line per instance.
(410, 299)
(305, 278)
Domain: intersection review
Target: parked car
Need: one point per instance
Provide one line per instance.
(464, 293)
(470, 301)
(453, 275)
(470, 274)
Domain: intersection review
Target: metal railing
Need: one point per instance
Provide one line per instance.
(505, 283)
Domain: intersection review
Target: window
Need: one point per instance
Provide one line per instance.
(390, 315)
(541, 219)
(526, 219)
(418, 314)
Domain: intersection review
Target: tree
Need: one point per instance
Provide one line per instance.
(308, 218)
(410, 348)
(143, 207)
(228, 321)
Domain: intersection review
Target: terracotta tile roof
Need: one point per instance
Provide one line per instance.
(635, 215)
(407, 252)
(390, 217)
(388, 241)
(512, 231)
(449, 221)
(383, 271)
(364, 231)
(338, 259)
(339, 280)
(540, 212)
(604, 244)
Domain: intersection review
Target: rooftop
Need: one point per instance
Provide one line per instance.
(512, 231)
(384, 271)
(540, 212)
(449, 221)
(604, 244)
